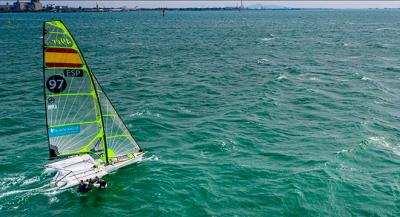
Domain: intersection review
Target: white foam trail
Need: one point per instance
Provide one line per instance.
(21, 183)
(382, 142)
(31, 180)
(7, 182)
(151, 158)
(48, 171)
(33, 190)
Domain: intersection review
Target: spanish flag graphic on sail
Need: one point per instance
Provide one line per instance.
(62, 57)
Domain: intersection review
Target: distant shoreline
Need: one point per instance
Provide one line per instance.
(103, 10)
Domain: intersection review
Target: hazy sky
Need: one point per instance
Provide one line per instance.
(298, 4)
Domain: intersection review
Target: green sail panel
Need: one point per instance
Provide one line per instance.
(74, 121)
(120, 141)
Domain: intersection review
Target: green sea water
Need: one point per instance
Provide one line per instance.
(269, 113)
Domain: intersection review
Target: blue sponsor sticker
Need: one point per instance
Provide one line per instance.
(65, 130)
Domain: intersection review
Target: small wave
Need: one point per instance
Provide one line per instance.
(53, 200)
(366, 79)
(151, 158)
(146, 113)
(386, 28)
(204, 154)
(185, 110)
(382, 142)
(342, 151)
(378, 102)
(262, 60)
(136, 114)
(281, 77)
(229, 146)
(267, 39)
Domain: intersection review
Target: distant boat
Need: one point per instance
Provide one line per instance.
(85, 133)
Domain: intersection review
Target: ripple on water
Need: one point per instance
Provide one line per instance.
(290, 113)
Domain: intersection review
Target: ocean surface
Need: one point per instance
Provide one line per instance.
(251, 113)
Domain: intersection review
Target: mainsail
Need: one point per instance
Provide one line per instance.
(80, 117)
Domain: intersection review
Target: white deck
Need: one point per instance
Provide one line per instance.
(70, 171)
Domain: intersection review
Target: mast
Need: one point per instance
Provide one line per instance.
(51, 154)
(91, 75)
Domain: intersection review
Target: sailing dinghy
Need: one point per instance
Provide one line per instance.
(86, 135)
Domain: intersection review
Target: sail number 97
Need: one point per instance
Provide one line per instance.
(56, 84)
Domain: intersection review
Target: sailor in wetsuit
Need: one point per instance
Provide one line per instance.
(84, 187)
(100, 182)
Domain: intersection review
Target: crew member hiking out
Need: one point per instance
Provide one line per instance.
(100, 183)
(84, 187)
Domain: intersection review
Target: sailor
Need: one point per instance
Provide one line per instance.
(88, 185)
(100, 182)
(82, 186)
(91, 181)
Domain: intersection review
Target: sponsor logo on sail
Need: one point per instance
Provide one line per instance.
(64, 130)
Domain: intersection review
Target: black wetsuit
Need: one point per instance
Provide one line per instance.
(102, 184)
(84, 188)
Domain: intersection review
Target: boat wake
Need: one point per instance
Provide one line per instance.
(16, 190)
(151, 158)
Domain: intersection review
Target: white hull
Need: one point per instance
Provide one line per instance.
(70, 171)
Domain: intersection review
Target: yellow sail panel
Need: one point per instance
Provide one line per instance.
(73, 114)
(62, 57)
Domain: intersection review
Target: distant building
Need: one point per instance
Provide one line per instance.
(5, 8)
(20, 6)
(34, 5)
